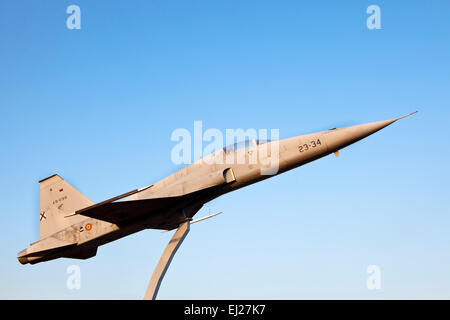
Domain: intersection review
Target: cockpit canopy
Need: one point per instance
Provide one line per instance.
(243, 145)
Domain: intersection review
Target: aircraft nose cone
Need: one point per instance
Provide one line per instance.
(340, 138)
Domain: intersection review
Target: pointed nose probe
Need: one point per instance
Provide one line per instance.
(337, 139)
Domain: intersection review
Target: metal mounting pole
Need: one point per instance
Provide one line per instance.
(166, 258)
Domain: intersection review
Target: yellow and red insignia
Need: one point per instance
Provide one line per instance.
(88, 226)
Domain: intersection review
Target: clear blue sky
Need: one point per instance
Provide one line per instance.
(98, 106)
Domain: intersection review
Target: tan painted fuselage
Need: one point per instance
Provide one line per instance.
(193, 186)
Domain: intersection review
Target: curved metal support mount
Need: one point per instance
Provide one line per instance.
(166, 258)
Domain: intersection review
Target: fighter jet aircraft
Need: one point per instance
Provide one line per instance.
(72, 226)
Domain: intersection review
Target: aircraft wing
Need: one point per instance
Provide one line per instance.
(119, 212)
(122, 211)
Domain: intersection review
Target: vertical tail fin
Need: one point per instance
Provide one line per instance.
(59, 199)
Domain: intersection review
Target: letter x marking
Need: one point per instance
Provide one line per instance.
(42, 216)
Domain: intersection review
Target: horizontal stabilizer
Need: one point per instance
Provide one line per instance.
(42, 248)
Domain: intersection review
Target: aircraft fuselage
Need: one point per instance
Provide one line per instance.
(208, 178)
